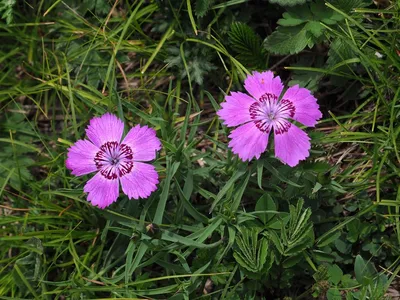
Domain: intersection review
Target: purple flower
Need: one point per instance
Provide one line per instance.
(115, 161)
(264, 112)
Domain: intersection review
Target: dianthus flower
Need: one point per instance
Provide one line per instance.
(115, 161)
(266, 111)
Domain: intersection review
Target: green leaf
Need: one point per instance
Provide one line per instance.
(250, 251)
(298, 235)
(7, 7)
(238, 173)
(297, 16)
(288, 2)
(266, 203)
(348, 5)
(100, 7)
(247, 44)
(28, 268)
(292, 260)
(339, 51)
(301, 27)
(287, 40)
(329, 238)
(335, 274)
(291, 20)
(323, 256)
(237, 197)
(353, 230)
(279, 222)
(260, 169)
(324, 13)
(342, 246)
(334, 294)
(364, 271)
(171, 170)
(202, 7)
(175, 238)
(315, 28)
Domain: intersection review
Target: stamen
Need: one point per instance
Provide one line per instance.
(114, 160)
(268, 113)
(287, 107)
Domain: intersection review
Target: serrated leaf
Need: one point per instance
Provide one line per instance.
(275, 240)
(290, 20)
(6, 8)
(315, 28)
(287, 40)
(298, 235)
(301, 245)
(31, 264)
(288, 2)
(202, 7)
(348, 5)
(339, 51)
(250, 251)
(301, 27)
(333, 294)
(324, 13)
(246, 43)
(297, 16)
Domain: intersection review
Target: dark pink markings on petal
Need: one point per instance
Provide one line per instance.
(109, 172)
(268, 97)
(257, 113)
(268, 113)
(125, 151)
(286, 107)
(281, 126)
(307, 109)
(235, 110)
(125, 168)
(143, 143)
(114, 160)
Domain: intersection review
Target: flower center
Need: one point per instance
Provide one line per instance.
(114, 160)
(268, 113)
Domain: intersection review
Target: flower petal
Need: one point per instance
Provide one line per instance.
(144, 143)
(235, 110)
(248, 141)
(259, 84)
(307, 110)
(140, 182)
(292, 146)
(80, 158)
(101, 191)
(107, 128)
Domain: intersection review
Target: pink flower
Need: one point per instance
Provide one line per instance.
(115, 161)
(264, 112)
